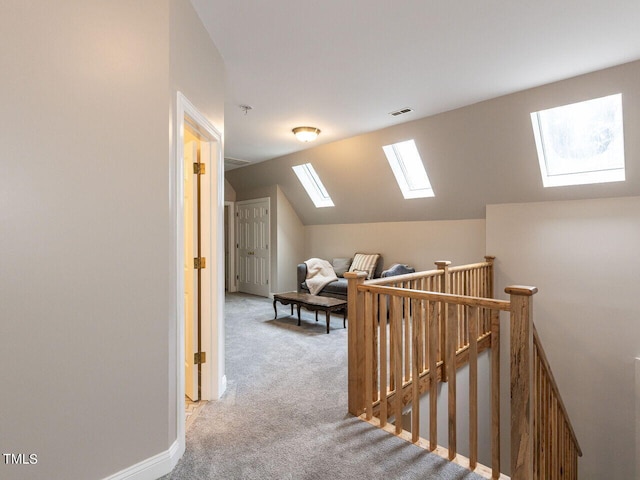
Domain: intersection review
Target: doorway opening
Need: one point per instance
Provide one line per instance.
(199, 207)
(197, 298)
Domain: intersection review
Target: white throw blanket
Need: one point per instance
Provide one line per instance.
(319, 274)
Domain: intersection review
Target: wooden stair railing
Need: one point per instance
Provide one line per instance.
(439, 321)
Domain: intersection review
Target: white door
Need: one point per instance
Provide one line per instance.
(252, 220)
(190, 274)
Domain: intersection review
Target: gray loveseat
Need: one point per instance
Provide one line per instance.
(338, 288)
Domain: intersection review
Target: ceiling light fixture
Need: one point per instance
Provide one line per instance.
(306, 134)
(245, 108)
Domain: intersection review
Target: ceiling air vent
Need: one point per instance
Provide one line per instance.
(401, 112)
(235, 162)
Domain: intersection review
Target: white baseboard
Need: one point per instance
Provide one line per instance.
(223, 386)
(153, 467)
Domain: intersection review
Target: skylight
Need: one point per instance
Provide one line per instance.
(312, 184)
(409, 170)
(581, 143)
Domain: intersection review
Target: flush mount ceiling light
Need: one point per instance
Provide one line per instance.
(245, 108)
(306, 134)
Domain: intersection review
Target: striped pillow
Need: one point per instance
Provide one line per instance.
(364, 262)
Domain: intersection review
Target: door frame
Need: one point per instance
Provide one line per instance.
(213, 371)
(231, 238)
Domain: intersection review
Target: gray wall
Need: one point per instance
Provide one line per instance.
(289, 244)
(229, 192)
(477, 155)
(87, 291)
(583, 257)
(418, 244)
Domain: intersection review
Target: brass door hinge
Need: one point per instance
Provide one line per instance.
(199, 263)
(199, 168)
(199, 358)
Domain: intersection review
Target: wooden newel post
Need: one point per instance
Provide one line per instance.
(355, 341)
(522, 386)
(445, 285)
(490, 259)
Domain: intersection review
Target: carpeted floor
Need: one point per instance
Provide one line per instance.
(284, 414)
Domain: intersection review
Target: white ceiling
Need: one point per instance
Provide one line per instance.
(343, 65)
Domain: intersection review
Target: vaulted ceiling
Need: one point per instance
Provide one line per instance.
(476, 155)
(343, 66)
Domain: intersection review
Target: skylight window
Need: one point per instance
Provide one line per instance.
(409, 170)
(581, 143)
(312, 184)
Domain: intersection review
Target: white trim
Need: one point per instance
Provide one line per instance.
(214, 380)
(152, 467)
(232, 284)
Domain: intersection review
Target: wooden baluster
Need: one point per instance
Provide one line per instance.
(486, 293)
(495, 394)
(425, 335)
(452, 337)
(421, 329)
(433, 375)
(355, 341)
(368, 354)
(457, 282)
(487, 279)
(473, 387)
(383, 360)
(468, 274)
(547, 433)
(554, 436)
(392, 342)
(375, 334)
(566, 446)
(416, 309)
(477, 284)
(396, 354)
(563, 449)
(536, 415)
(406, 316)
(464, 319)
(415, 371)
(569, 450)
(444, 288)
(569, 466)
(521, 381)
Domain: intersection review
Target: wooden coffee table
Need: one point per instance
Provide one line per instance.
(313, 303)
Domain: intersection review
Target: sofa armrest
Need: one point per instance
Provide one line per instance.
(397, 269)
(302, 275)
